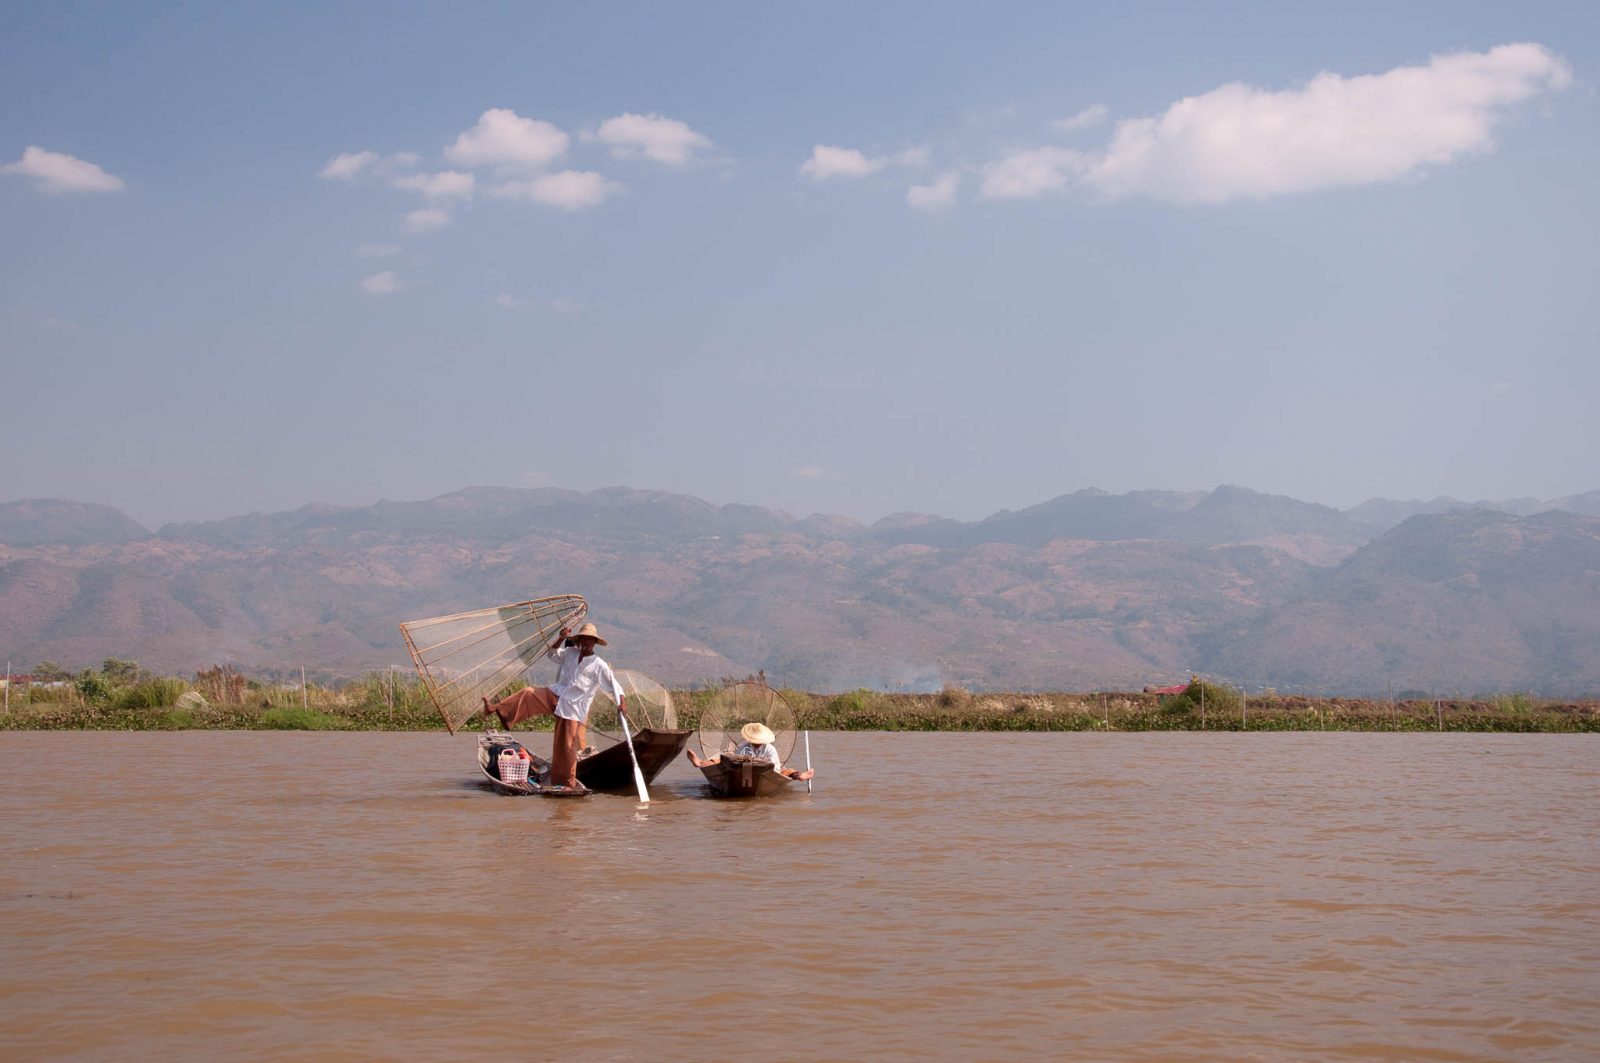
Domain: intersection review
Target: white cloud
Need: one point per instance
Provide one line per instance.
(810, 472)
(446, 184)
(1031, 174)
(827, 161)
(1242, 142)
(378, 250)
(427, 220)
(385, 283)
(914, 157)
(504, 138)
(568, 189)
(506, 301)
(564, 304)
(939, 195)
(1087, 118)
(348, 166)
(57, 173)
(653, 136)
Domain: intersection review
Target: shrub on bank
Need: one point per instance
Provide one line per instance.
(1201, 697)
(156, 693)
(93, 687)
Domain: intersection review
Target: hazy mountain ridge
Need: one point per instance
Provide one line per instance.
(1470, 599)
(1460, 601)
(57, 521)
(1227, 515)
(1385, 513)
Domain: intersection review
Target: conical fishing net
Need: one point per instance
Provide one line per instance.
(469, 656)
(649, 705)
(738, 704)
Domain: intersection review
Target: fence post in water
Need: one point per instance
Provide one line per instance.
(1105, 706)
(1438, 710)
(8, 688)
(303, 703)
(1202, 706)
(1244, 710)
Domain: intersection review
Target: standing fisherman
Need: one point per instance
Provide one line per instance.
(579, 676)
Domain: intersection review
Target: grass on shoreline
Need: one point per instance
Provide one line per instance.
(223, 700)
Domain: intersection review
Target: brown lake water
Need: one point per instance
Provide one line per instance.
(1128, 897)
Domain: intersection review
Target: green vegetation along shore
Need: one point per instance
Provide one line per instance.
(120, 696)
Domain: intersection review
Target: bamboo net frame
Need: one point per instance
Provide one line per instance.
(465, 657)
(738, 704)
(649, 705)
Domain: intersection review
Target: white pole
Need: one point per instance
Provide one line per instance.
(638, 776)
(8, 687)
(303, 703)
(808, 758)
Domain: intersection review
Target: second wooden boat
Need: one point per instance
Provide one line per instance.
(724, 714)
(733, 776)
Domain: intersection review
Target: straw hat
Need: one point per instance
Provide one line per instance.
(588, 631)
(757, 734)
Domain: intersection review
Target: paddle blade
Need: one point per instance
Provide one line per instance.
(638, 776)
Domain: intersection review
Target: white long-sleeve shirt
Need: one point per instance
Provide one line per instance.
(578, 679)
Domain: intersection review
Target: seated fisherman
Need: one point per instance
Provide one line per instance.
(579, 676)
(758, 739)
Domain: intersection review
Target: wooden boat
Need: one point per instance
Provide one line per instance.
(725, 717)
(735, 776)
(612, 769)
(608, 770)
(489, 746)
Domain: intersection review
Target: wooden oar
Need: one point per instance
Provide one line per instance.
(638, 776)
(808, 758)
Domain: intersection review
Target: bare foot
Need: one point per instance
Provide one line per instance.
(804, 775)
(488, 709)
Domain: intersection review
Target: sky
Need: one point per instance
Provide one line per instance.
(841, 258)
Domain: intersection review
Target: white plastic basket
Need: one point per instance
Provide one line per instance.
(513, 768)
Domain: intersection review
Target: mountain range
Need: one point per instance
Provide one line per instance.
(1086, 591)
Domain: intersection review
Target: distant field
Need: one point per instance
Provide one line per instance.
(224, 701)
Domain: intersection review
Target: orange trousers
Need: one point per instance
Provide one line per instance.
(569, 736)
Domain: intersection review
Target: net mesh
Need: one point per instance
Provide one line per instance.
(470, 656)
(737, 704)
(649, 705)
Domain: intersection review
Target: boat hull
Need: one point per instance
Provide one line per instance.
(532, 788)
(612, 769)
(732, 776)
